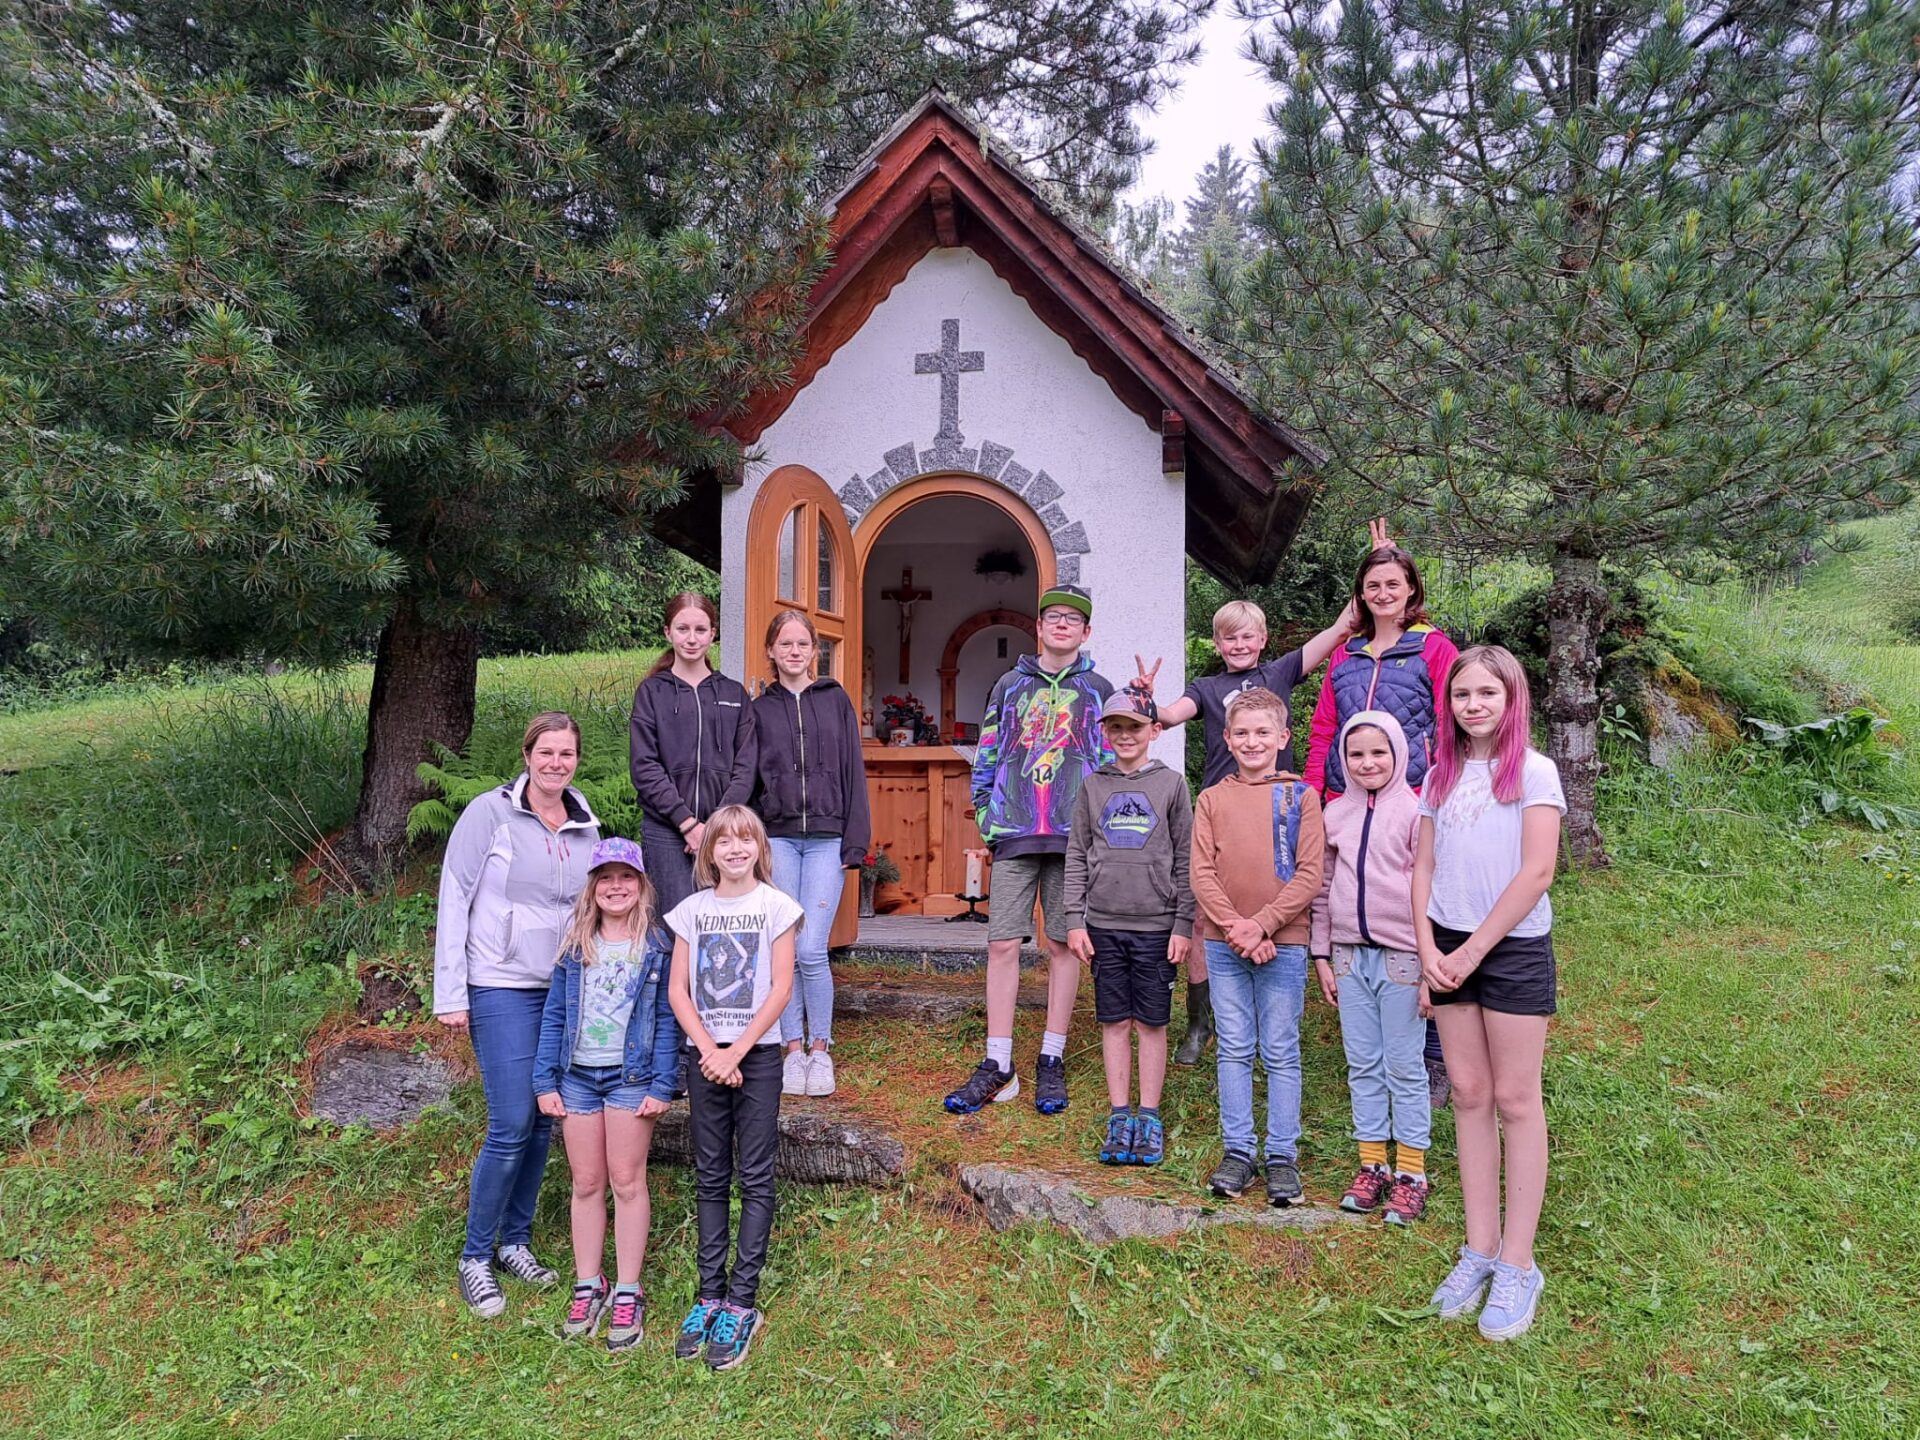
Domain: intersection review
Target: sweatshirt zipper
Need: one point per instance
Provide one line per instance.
(800, 724)
(699, 748)
(1360, 868)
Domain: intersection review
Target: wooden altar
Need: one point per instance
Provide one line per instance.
(923, 814)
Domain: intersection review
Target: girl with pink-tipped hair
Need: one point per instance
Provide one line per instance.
(1484, 859)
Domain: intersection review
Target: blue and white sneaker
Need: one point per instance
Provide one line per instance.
(1466, 1284)
(693, 1330)
(987, 1085)
(1512, 1301)
(1117, 1148)
(1050, 1085)
(734, 1327)
(1149, 1140)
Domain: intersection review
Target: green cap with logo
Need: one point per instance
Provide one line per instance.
(1071, 596)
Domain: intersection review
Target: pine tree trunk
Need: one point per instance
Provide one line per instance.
(1576, 609)
(423, 690)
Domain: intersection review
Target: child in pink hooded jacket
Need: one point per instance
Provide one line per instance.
(1366, 954)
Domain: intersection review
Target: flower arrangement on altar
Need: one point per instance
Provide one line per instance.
(904, 721)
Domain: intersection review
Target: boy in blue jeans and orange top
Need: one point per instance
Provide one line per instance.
(1039, 738)
(1130, 915)
(1257, 848)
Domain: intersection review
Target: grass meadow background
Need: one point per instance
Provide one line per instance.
(1732, 1235)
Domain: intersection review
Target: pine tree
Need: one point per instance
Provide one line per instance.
(1627, 282)
(325, 320)
(1216, 215)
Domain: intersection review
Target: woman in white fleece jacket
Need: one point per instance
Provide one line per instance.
(515, 863)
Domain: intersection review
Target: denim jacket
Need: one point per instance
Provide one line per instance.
(653, 1035)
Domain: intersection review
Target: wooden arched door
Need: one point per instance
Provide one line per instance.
(800, 556)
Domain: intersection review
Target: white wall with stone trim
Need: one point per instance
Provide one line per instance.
(1034, 418)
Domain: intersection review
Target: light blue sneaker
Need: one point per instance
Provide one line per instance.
(1460, 1293)
(1512, 1302)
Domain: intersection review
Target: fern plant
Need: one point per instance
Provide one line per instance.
(460, 779)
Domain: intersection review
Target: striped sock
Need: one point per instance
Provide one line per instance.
(1410, 1162)
(1373, 1153)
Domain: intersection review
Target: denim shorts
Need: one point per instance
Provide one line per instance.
(587, 1089)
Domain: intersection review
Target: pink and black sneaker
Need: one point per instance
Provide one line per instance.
(626, 1319)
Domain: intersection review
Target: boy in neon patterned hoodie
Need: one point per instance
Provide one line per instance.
(1040, 737)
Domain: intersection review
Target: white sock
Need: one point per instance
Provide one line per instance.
(1053, 1044)
(1000, 1051)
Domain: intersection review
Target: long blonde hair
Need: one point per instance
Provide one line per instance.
(739, 821)
(583, 929)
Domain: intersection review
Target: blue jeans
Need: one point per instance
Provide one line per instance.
(589, 1089)
(809, 871)
(1385, 1038)
(505, 1028)
(1257, 1007)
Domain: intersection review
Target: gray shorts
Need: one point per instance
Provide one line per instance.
(1016, 881)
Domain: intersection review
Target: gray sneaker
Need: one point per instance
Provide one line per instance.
(1460, 1293)
(519, 1262)
(479, 1289)
(1283, 1183)
(1231, 1176)
(584, 1310)
(627, 1320)
(1512, 1301)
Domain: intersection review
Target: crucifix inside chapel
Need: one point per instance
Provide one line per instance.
(906, 597)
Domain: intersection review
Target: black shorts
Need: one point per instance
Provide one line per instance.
(1516, 978)
(1132, 977)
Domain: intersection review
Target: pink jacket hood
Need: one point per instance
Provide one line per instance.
(1367, 897)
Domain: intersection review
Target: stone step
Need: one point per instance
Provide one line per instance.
(820, 1144)
(1012, 1196)
(928, 944)
(928, 1002)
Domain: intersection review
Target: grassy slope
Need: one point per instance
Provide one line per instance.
(1730, 1240)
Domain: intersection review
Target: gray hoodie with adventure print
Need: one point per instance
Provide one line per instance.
(1128, 848)
(507, 888)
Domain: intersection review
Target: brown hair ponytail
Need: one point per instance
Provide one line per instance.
(685, 600)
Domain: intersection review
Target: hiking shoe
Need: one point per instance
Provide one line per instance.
(626, 1319)
(988, 1085)
(1283, 1183)
(519, 1262)
(1513, 1299)
(793, 1073)
(1368, 1189)
(479, 1289)
(1460, 1293)
(1149, 1140)
(1117, 1148)
(1050, 1085)
(584, 1310)
(820, 1079)
(693, 1330)
(1439, 1086)
(1231, 1176)
(1407, 1202)
(734, 1327)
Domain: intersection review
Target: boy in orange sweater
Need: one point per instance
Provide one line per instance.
(1257, 847)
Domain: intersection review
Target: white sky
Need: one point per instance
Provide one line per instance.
(1222, 99)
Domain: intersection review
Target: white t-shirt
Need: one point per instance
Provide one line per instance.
(1476, 845)
(730, 951)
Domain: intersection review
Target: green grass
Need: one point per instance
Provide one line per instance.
(1731, 1238)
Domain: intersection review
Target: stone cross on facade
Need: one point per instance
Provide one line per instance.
(949, 362)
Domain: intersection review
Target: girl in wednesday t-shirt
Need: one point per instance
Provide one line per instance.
(732, 976)
(1489, 837)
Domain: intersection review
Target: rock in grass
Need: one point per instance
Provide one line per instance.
(356, 1083)
(817, 1147)
(1011, 1196)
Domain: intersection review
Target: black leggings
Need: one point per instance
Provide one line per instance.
(719, 1119)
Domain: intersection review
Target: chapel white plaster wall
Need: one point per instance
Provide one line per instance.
(1035, 398)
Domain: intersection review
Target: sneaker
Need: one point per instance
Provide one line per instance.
(793, 1073)
(1460, 1293)
(693, 1330)
(1512, 1301)
(1439, 1086)
(479, 1289)
(988, 1085)
(1283, 1183)
(1149, 1140)
(1050, 1085)
(584, 1310)
(1368, 1189)
(1407, 1202)
(1231, 1176)
(734, 1327)
(1117, 1148)
(519, 1262)
(626, 1319)
(820, 1079)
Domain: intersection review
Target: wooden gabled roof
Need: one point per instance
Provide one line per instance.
(936, 179)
